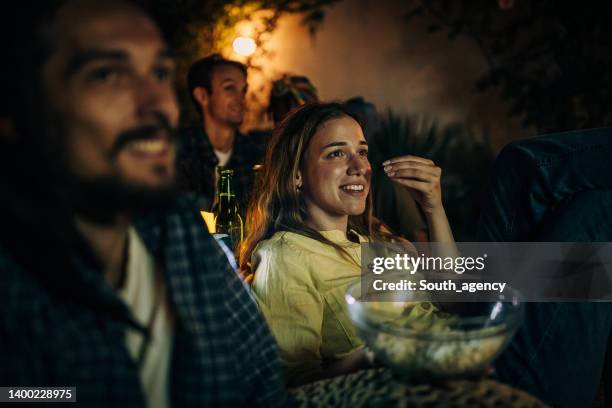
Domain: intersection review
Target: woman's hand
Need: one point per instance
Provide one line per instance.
(421, 177)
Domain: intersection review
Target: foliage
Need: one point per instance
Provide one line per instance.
(551, 60)
(465, 158)
(196, 28)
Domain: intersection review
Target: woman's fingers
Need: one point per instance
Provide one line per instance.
(413, 164)
(420, 176)
(413, 170)
(410, 163)
(408, 158)
(418, 167)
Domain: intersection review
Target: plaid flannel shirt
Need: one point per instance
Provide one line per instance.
(196, 163)
(223, 353)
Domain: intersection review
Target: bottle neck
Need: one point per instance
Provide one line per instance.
(227, 197)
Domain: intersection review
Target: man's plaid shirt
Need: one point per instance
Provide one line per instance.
(224, 354)
(196, 163)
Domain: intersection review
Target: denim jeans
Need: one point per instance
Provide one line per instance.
(555, 188)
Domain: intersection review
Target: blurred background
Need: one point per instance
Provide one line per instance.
(452, 80)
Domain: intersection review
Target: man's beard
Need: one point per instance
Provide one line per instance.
(103, 198)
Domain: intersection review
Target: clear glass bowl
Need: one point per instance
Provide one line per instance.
(462, 342)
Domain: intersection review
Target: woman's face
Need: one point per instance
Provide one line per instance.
(335, 174)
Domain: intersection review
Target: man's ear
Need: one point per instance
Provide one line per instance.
(201, 96)
(298, 180)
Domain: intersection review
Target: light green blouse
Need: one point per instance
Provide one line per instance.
(299, 285)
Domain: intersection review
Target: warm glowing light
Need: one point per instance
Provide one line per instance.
(244, 46)
(209, 219)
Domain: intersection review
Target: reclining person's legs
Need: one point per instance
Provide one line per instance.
(559, 352)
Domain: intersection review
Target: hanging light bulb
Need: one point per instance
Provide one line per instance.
(244, 46)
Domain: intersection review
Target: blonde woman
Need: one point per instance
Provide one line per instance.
(306, 223)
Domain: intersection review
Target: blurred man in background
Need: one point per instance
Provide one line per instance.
(218, 88)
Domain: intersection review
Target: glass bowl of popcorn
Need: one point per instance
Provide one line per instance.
(427, 341)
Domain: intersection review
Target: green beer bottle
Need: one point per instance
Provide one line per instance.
(227, 215)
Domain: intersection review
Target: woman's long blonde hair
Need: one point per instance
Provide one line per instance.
(276, 204)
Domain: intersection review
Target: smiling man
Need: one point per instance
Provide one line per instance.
(108, 280)
(218, 88)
